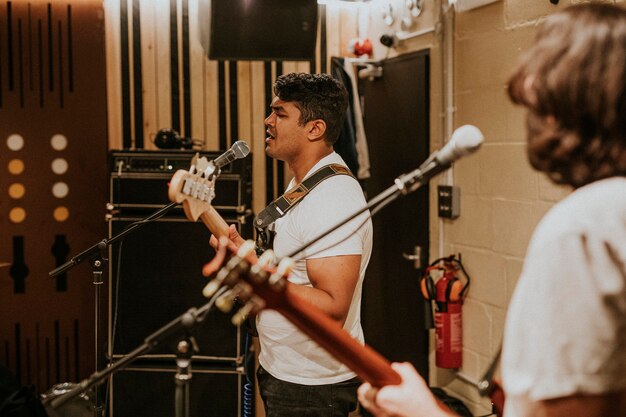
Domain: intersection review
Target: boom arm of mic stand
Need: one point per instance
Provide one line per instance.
(104, 243)
(413, 180)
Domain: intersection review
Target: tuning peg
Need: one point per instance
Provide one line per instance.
(284, 268)
(267, 258)
(226, 301)
(258, 271)
(194, 160)
(202, 164)
(211, 288)
(246, 248)
(229, 274)
(252, 306)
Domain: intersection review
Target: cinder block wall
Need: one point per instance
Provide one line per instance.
(502, 198)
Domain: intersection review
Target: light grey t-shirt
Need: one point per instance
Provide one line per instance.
(566, 326)
(286, 353)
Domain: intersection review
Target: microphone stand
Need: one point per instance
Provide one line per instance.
(187, 322)
(97, 257)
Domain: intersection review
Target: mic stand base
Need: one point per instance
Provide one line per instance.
(187, 322)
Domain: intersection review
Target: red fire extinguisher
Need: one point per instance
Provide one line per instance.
(447, 292)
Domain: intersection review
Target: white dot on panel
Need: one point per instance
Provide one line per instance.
(58, 142)
(60, 190)
(15, 142)
(59, 166)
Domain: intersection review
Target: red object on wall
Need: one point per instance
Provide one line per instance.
(361, 47)
(448, 293)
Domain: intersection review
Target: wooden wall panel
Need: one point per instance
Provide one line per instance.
(227, 100)
(53, 161)
(162, 68)
(149, 72)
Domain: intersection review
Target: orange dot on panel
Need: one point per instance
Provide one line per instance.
(17, 191)
(17, 215)
(61, 214)
(16, 166)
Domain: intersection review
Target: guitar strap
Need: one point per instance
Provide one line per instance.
(280, 206)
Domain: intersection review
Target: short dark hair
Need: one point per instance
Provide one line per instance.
(317, 96)
(572, 82)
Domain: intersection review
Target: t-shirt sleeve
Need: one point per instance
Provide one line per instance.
(332, 201)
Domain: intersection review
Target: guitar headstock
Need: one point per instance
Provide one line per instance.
(252, 280)
(195, 188)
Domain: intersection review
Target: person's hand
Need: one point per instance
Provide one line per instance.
(412, 398)
(222, 247)
(235, 239)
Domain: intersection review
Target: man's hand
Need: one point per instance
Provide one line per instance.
(234, 237)
(412, 398)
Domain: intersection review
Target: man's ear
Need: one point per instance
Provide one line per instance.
(317, 130)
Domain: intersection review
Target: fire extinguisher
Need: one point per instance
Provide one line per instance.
(447, 293)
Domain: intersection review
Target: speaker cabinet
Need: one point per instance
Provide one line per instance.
(155, 276)
(150, 391)
(138, 180)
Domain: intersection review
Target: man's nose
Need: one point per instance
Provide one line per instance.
(269, 119)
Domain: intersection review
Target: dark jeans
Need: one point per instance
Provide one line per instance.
(285, 399)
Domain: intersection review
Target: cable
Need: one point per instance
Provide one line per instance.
(248, 387)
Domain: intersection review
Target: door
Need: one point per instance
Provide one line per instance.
(396, 117)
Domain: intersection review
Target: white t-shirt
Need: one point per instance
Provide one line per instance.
(566, 326)
(286, 353)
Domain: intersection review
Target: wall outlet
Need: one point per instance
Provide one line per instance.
(449, 201)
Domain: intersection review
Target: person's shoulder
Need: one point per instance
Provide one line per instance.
(339, 187)
(598, 206)
(598, 198)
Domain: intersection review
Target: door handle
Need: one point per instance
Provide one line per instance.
(416, 257)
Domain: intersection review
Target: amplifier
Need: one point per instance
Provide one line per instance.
(155, 275)
(149, 390)
(139, 180)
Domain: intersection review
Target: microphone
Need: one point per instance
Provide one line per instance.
(464, 141)
(238, 150)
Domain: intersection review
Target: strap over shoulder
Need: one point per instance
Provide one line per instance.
(277, 208)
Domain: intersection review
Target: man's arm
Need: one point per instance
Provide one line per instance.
(334, 280)
(604, 405)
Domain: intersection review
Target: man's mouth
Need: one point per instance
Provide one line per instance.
(269, 136)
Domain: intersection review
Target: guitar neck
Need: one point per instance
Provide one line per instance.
(214, 222)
